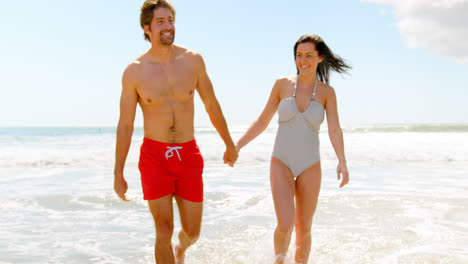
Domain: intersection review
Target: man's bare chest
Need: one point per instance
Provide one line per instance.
(159, 84)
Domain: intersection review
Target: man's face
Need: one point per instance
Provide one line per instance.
(162, 29)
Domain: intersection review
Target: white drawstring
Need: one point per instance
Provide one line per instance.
(170, 153)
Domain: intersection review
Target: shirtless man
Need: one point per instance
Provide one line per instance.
(163, 81)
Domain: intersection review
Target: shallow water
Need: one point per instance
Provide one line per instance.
(406, 202)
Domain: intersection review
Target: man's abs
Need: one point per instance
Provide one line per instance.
(166, 92)
(169, 124)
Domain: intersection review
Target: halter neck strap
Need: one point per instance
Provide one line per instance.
(315, 87)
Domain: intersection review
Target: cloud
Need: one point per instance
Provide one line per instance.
(440, 27)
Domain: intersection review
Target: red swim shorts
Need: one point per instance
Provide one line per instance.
(171, 169)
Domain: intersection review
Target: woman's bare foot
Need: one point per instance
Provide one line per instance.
(280, 258)
(179, 255)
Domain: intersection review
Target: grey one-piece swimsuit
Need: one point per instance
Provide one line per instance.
(297, 140)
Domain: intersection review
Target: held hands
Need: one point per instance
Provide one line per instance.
(342, 170)
(230, 156)
(237, 149)
(120, 187)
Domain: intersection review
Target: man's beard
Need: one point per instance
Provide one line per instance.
(167, 40)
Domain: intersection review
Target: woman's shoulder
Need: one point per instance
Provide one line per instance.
(327, 92)
(285, 81)
(326, 88)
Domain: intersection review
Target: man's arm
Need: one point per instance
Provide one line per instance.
(207, 95)
(128, 102)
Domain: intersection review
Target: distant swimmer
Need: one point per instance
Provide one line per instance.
(163, 82)
(295, 172)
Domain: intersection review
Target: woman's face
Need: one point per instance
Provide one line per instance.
(307, 58)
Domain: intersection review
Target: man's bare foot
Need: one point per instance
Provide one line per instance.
(179, 255)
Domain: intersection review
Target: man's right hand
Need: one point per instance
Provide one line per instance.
(230, 156)
(120, 187)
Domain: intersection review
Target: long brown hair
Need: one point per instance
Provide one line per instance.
(330, 60)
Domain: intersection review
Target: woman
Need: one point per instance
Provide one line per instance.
(295, 170)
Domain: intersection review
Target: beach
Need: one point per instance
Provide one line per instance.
(406, 202)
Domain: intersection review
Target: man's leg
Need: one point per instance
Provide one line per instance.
(161, 209)
(190, 219)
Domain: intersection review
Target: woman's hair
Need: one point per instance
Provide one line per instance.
(330, 60)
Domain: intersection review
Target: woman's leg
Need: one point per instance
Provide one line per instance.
(282, 188)
(307, 193)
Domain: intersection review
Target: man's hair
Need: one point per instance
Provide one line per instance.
(146, 15)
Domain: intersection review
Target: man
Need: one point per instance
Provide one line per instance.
(163, 81)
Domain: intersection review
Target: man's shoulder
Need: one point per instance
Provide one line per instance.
(134, 65)
(132, 70)
(188, 53)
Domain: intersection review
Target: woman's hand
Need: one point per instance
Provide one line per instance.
(342, 171)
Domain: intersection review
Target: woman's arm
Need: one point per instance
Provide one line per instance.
(336, 135)
(261, 123)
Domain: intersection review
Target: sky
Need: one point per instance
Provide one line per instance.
(61, 63)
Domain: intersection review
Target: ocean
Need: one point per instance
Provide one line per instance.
(407, 200)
